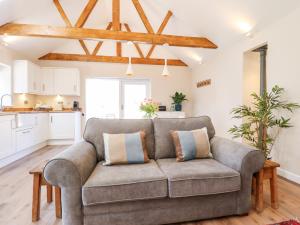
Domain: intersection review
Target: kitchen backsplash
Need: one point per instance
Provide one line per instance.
(29, 101)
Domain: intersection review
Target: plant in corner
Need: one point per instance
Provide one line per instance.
(178, 98)
(265, 116)
(149, 107)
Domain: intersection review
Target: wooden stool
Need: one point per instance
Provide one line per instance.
(38, 181)
(269, 172)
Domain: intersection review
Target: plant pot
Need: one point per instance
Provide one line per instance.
(178, 107)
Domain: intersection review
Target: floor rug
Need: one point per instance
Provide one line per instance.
(290, 222)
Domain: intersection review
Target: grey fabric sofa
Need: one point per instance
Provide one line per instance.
(162, 191)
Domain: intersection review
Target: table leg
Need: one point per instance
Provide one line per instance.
(36, 197)
(274, 189)
(49, 193)
(260, 191)
(57, 202)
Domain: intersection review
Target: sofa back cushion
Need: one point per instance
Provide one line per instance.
(164, 147)
(95, 128)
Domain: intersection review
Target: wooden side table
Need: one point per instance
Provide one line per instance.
(38, 182)
(269, 172)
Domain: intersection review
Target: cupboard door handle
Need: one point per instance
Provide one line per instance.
(43, 87)
(25, 132)
(51, 119)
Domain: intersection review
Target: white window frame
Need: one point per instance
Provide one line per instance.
(122, 82)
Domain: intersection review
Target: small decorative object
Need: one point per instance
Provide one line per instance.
(149, 107)
(266, 114)
(162, 108)
(178, 98)
(203, 83)
(290, 222)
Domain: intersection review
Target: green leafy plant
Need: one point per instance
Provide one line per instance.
(265, 114)
(149, 107)
(178, 98)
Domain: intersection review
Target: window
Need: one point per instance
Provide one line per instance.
(115, 98)
(5, 84)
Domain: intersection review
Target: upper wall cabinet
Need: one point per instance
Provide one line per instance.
(27, 77)
(67, 81)
(47, 81)
(30, 78)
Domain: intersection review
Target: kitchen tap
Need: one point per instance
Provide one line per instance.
(1, 102)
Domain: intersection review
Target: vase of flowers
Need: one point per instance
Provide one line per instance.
(267, 114)
(178, 98)
(149, 107)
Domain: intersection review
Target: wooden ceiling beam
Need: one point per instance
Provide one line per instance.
(109, 59)
(116, 25)
(86, 13)
(160, 30)
(85, 33)
(62, 13)
(99, 44)
(143, 16)
(84, 47)
(139, 50)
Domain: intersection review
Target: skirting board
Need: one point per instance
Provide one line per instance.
(289, 175)
(60, 142)
(21, 154)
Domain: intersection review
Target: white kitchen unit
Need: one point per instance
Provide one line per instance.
(64, 127)
(47, 81)
(7, 135)
(170, 114)
(67, 81)
(27, 77)
(24, 133)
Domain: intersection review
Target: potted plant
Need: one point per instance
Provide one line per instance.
(267, 114)
(178, 98)
(149, 107)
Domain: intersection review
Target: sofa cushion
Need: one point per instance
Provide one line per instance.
(95, 128)
(199, 177)
(192, 144)
(164, 147)
(124, 183)
(125, 148)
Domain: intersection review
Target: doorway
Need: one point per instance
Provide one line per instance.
(113, 98)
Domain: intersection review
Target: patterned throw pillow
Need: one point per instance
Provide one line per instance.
(125, 148)
(192, 144)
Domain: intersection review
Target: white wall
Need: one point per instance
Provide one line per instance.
(226, 72)
(161, 87)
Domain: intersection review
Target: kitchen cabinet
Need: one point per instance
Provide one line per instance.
(67, 81)
(62, 126)
(41, 128)
(47, 81)
(24, 138)
(7, 137)
(27, 77)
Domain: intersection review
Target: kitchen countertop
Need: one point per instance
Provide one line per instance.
(7, 112)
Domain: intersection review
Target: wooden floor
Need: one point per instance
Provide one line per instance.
(16, 193)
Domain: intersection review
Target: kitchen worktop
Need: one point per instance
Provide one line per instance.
(13, 111)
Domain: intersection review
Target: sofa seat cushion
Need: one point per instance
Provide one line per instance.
(120, 183)
(199, 177)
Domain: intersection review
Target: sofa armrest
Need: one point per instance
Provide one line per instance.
(72, 167)
(242, 158)
(69, 170)
(238, 156)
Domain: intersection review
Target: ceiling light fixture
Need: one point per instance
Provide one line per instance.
(7, 38)
(166, 72)
(129, 71)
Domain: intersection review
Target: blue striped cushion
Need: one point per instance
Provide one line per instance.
(125, 148)
(192, 144)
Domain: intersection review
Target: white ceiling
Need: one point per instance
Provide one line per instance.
(215, 19)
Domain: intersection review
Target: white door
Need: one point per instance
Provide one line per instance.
(115, 98)
(62, 126)
(47, 81)
(66, 81)
(134, 92)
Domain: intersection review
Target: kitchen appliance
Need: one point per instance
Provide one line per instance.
(76, 105)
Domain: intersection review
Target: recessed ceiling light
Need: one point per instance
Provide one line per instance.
(244, 26)
(8, 39)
